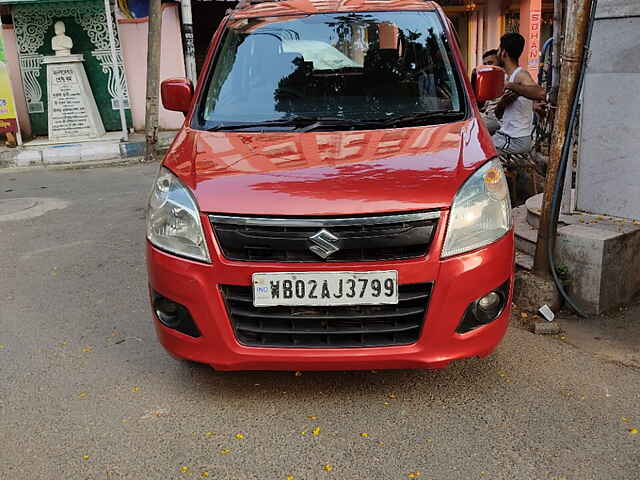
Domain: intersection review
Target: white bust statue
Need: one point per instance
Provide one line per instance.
(61, 44)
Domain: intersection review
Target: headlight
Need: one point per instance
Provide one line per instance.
(481, 211)
(173, 219)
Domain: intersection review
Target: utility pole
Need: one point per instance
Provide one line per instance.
(577, 23)
(153, 79)
(558, 10)
(189, 48)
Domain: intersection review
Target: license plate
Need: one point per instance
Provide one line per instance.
(325, 288)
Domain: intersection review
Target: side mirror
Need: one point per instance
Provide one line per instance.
(489, 83)
(177, 94)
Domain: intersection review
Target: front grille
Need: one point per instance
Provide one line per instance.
(388, 237)
(328, 327)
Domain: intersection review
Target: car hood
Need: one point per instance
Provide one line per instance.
(329, 173)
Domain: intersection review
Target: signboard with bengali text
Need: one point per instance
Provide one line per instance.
(8, 119)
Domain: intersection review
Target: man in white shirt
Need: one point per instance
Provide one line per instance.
(515, 108)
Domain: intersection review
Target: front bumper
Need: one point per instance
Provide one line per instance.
(458, 281)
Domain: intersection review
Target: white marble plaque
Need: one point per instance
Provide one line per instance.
(73, 114)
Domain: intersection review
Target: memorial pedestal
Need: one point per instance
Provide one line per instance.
(73, 114)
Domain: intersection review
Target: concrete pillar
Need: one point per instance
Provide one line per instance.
(493, 27)
(530, 23)
(473, 40)
(481, 43)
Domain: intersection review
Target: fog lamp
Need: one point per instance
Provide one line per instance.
(489, 302)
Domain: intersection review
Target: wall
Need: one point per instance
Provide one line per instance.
(133, 35)
(609, 167)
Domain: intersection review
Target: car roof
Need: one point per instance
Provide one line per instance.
(261, 8)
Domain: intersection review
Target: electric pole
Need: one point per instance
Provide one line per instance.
(153, 79)
(577, 23)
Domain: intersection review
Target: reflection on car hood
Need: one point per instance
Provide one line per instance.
(329, 173)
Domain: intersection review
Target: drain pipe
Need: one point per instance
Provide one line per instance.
(189, 48)
(116, 71)
(556, 199)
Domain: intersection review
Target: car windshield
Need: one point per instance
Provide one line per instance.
(356, 68)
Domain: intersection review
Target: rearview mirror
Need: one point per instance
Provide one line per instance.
(177, 94)
(488, 83)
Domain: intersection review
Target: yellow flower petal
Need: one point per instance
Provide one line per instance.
(386, 403)
(413, 474)
(204, 474)
(304, 432)
(624, 419)
(135, 389)
(311, 417)
(1, 346)
(87, 349)
(184, 469)
(381, 444)
(633, 431)
(225, 451)
(290, 477)
(85, 457)
(209, 434)
(239, 436)
(316, 431)
(83, 395)
(364, 435)
(327, 468)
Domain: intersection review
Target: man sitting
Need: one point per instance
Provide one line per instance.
(515, 108)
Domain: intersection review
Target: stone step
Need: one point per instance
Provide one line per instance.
(524, 261)
(526, 235)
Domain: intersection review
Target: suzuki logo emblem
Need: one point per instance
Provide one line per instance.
(324, 243)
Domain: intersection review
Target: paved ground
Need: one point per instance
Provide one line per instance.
(87, 393)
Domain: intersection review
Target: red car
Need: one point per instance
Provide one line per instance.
(333, 200)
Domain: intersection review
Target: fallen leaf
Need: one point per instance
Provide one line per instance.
(327, 468)
(87, 350)
(298, 374)
(524, 315)
(83, 395)
(413, 474)
(184, 469)
(381, 444)
(204, 474)
(625, 419)
(316, 431)
(311, 417)
(239, 436)
(392, 395)
(135, 389)
(633, 431)
(364, 435)
(225, 451)
(155, 413)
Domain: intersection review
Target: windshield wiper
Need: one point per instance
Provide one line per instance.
(297, 121)
(301, 123)
(425, 117)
